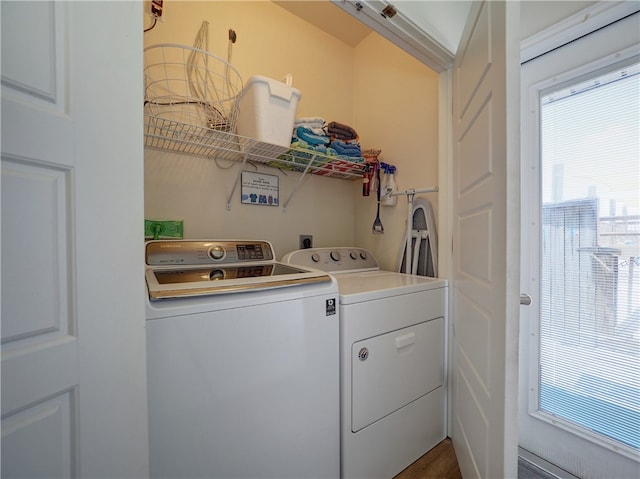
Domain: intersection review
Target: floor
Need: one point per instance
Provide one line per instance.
(440, 462)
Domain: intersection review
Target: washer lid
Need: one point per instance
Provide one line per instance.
(184, 268)
(175, 283)
(370, 285)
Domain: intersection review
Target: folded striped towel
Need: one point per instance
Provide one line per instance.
(310, 137)
(347, 149)
(341, 131)
(314, 123)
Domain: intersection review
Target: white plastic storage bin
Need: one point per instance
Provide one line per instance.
(268, 110)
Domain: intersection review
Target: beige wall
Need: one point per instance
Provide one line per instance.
(390, 98)
(396, 105)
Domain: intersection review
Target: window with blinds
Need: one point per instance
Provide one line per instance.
(589, 351)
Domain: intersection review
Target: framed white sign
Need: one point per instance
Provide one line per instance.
(260, 189)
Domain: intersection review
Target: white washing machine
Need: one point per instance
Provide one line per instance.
(392, 361)
(243, 363)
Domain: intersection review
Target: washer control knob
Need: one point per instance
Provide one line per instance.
(216, 252)
(315, 257)
(363, 255)
(354, 255)
(363, 354)
(335, 256)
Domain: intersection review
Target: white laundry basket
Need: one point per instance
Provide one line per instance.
(268, 110)
(191, 86)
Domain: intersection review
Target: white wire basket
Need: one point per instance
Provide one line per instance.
(191, 86)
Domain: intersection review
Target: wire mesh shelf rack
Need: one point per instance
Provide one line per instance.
(167, 134)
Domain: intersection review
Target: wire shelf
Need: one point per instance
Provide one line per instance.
(167, 134)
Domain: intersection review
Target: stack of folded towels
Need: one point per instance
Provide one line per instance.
(309, 134)
(332, 139)
(344, 139)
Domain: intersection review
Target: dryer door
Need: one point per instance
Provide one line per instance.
(393, 369)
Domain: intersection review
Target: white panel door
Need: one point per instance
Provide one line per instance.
(73, 343)
(486, 223)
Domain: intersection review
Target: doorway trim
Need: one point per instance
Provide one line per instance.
(582, 23)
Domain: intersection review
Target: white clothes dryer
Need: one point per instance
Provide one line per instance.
(392, 361)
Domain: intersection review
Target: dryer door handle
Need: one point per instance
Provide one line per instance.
(405, 340)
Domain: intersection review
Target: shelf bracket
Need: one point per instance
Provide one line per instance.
(299, 183)
(245, 158)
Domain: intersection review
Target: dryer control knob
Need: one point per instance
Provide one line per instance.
(354, 255)
(363, 255)
(315, 257)
(335, 255)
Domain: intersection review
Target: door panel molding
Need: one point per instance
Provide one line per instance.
(36, 203)
(473, 425)
(475, 59)
(27, 448)
(477, 142)
(478, 330)
(475, 234)
(49, 365)
(39, 70)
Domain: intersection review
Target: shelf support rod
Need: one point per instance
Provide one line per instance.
(295, 189)
(235, 184)
(413, 192)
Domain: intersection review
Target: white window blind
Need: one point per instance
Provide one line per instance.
(589, 371)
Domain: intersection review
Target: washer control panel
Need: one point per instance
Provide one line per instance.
(197, 252)
(333, 260)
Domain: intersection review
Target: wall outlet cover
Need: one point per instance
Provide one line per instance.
(306, 241)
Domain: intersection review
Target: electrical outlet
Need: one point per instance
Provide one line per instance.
(156, 8)
(306, 241)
